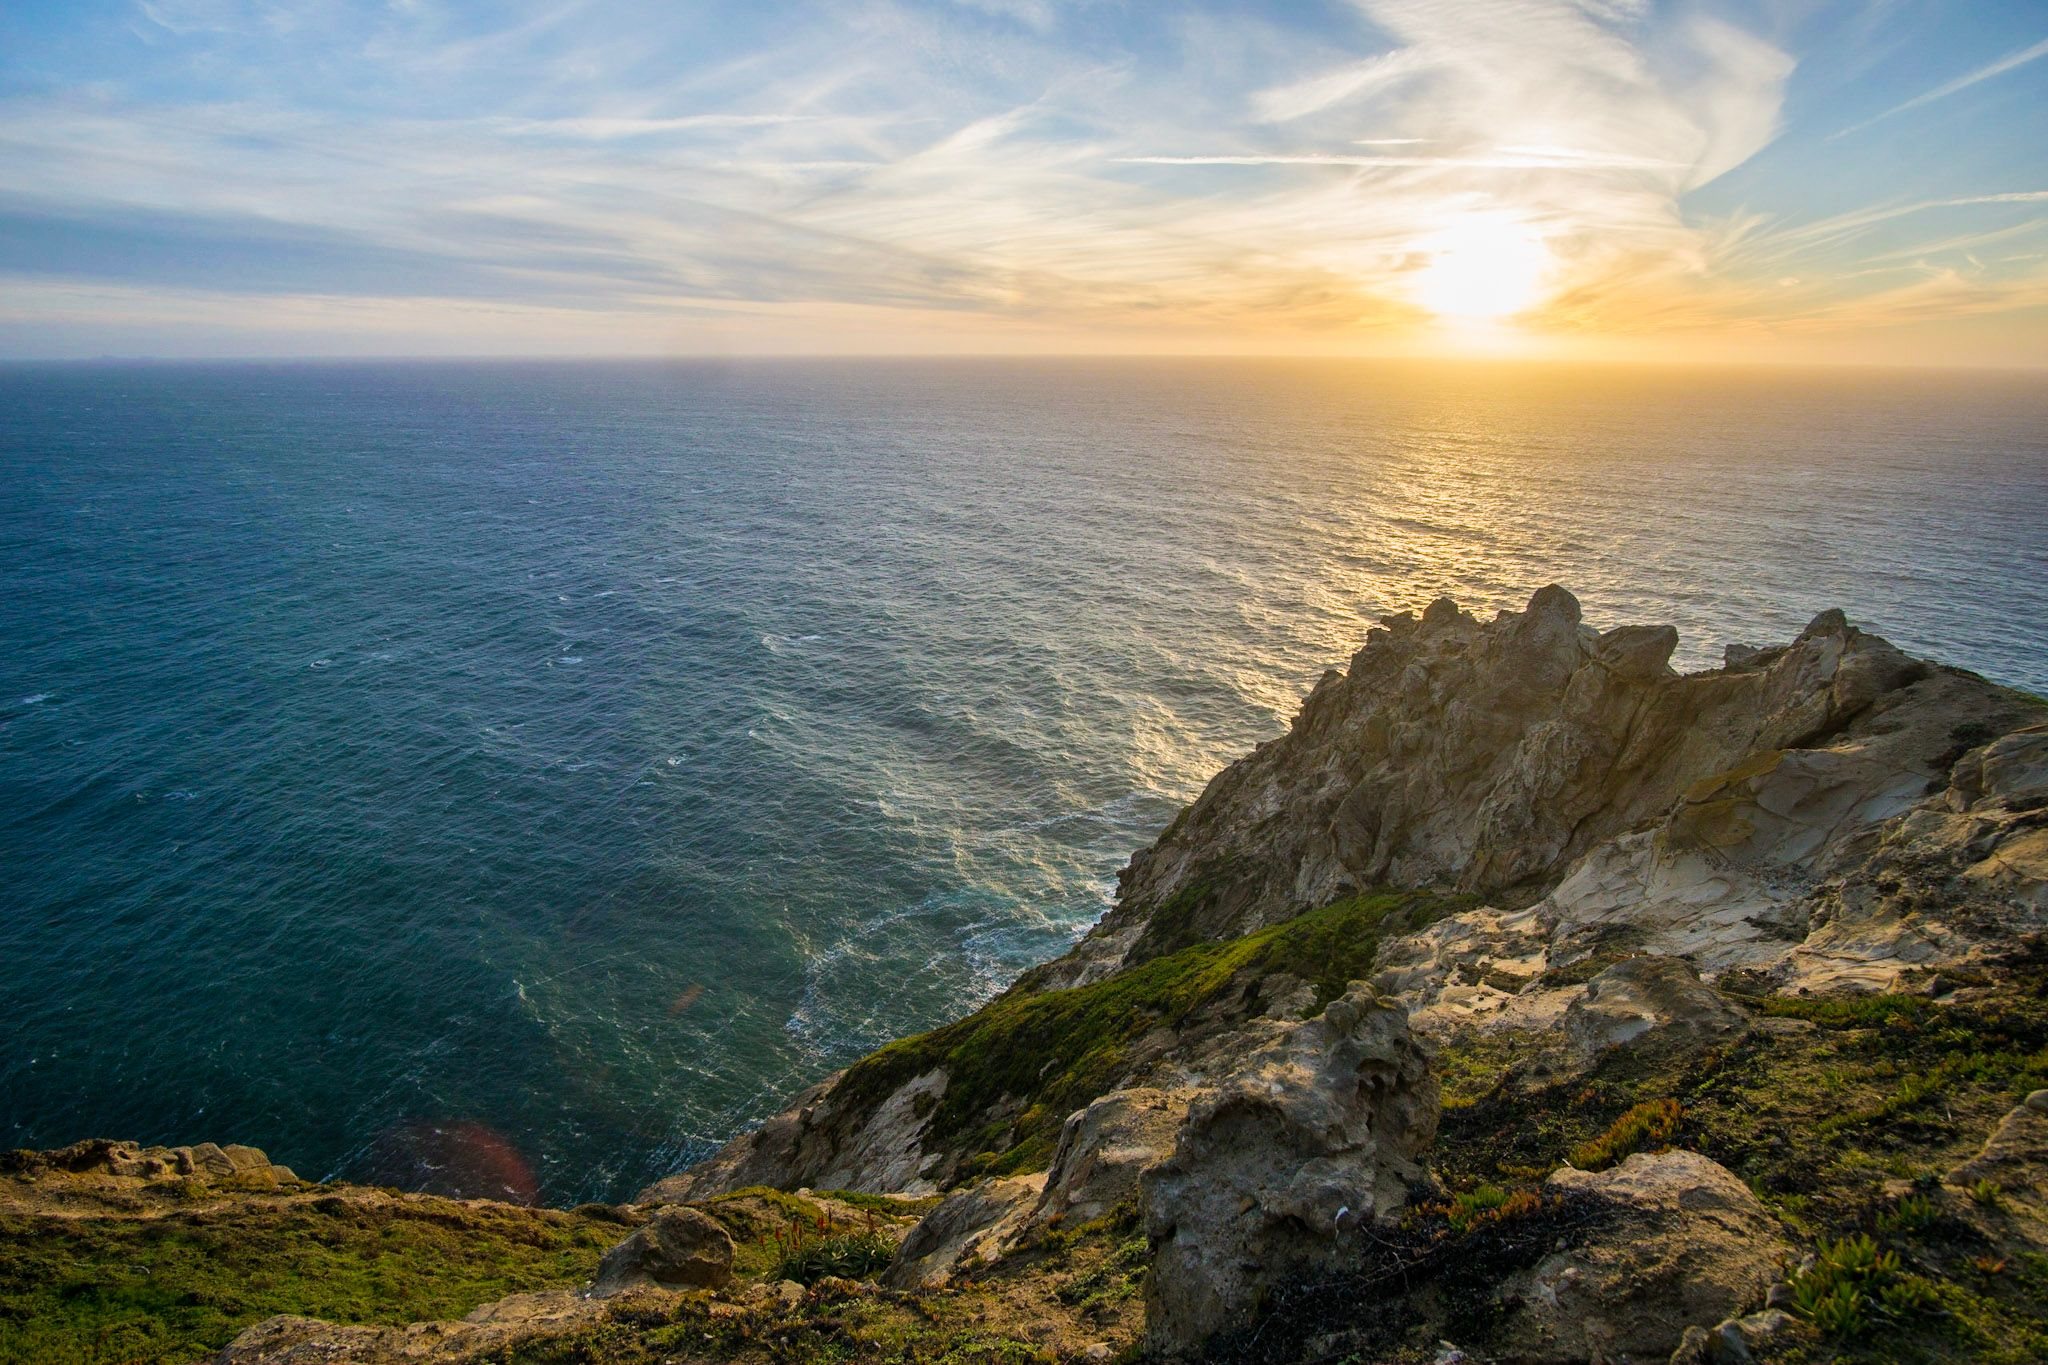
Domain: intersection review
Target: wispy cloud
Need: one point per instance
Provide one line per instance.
(1229, 171)
(2009, 62)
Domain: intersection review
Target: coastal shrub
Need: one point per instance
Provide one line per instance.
(1043, 1054)
(1648, 1125)
(1913, 1213)
(1488, 1204)
(852, 1256)
(1853, 1285)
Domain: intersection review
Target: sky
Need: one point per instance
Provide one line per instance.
(1770, 180)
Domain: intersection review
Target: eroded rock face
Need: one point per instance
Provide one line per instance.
(1495, 757)
(1688, 1245)
(972, 1228)
(825, 1145)
(680, 1248)
(1284, 1163)
(1106, 1148)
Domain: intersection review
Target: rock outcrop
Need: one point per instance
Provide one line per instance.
(971, 1229)
(679, 1248)
(1493, 757)
(1312, 1140)
(1648, 1003)
(1687, 1245)
(242, 1167)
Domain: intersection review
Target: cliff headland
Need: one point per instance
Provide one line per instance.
(1525, 1001)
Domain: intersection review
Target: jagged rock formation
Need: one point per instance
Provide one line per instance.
(1492, 757)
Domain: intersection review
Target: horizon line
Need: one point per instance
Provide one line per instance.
(958, 357)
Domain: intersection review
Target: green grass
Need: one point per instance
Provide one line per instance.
(1041, 1055)
(886, 1205)
(93, 1291)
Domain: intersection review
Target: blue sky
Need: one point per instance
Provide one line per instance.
(1552, 177)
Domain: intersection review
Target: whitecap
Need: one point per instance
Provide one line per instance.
(35, 699)
(570, 659)
(320, 663)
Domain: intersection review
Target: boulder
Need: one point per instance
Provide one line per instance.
(680, 1249)
(1684, 1243)
(972, 1227)
(1638, 652)
(1286, 1164)
(1649, 1004)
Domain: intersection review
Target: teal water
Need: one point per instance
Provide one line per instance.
(518, 777)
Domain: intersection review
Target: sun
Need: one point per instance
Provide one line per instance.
(1481, 268)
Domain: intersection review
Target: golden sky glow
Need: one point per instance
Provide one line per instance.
(1553, 178)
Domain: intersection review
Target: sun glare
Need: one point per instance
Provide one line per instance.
(1481, 269)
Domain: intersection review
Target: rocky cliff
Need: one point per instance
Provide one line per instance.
(1527, 1000)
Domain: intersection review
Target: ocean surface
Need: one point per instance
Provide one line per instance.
(515, 778)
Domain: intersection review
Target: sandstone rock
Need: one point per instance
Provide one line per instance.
(1649, 1003)
(1105, 1148)
(245, 1158)
(1493, 757)
(209, 1159)
(1638, 652)
(971, 1228)
(680, 1249)
(817, 1142)
(1687, 1244)
(1313, 1137)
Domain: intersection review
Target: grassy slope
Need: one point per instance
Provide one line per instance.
(1021, 1064)
(175, 1287)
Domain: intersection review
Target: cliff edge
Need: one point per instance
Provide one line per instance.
(1527, 1000)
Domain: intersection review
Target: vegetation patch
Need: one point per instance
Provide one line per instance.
(1646, 1127)
(1853, 1287)
(178, 1287)
(851, 1256)
(1824, 1108)
(1021, 1064)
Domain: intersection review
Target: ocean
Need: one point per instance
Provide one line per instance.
(517, 777)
